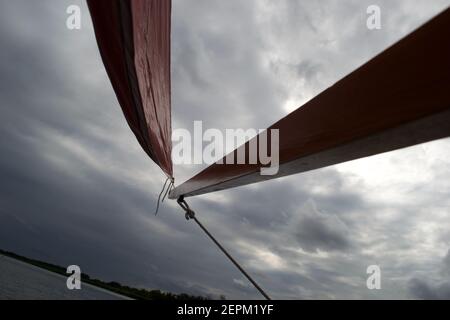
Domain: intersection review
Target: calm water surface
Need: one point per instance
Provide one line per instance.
(19, 280)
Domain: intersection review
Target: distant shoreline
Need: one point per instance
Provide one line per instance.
(111, 287)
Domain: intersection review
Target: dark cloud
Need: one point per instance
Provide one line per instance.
(421, 290)
(308, 70)
(432, 289)
(317, 232)
(77, 188)
(446, 264)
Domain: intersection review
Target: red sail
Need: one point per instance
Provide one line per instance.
(398, 99)
(134, 41)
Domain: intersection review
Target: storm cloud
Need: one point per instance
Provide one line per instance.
(77, 189)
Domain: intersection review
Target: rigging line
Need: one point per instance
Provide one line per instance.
(159, 197)
(169, 188)
(191, 215)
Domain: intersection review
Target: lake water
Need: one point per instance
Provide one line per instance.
(19, 280)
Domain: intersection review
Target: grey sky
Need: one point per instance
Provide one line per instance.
(77, 189)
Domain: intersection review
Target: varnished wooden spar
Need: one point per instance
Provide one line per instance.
(398, 99)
